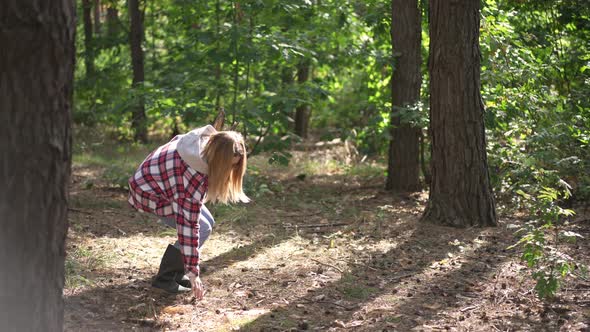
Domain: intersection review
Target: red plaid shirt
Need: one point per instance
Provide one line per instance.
(166, 186)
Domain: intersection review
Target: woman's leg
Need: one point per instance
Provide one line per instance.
(171, 276)
(206, 223)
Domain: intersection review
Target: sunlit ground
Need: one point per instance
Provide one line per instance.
(327, 251)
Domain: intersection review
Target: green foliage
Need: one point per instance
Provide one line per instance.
(542, 238)
(534, 82)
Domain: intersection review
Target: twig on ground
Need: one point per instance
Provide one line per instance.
(330, 302)
(267, 268)
(403, 275)
(326, 264)
(290, 215)
(470, 308)
(79, 211)
(316, 225)
(117, 212)
(365, 266)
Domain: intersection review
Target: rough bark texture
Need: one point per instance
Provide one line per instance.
(404, 162)
(460, 192)
(36, 73)
(135, 38)
(302, 112)
(88, 43)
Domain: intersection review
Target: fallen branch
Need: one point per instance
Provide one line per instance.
(329, 302)
(301, 215)
(329, 265)
(361, 265)
(403, 275)
(470, 308)
(79, 211)
(316, 225)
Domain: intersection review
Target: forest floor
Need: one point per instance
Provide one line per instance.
(321, 248)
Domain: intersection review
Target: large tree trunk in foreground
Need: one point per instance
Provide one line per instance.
(404, 163)
(138, 121)
(460, 192)
(36, 73)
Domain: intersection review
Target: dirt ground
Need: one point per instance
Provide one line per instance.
(328, 251)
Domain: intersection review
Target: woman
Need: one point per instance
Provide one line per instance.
(175, 181)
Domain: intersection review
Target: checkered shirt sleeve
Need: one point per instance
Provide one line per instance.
(166, 186)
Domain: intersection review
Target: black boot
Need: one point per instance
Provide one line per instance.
(171, 276)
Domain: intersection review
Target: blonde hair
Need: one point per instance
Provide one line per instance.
(225, 179)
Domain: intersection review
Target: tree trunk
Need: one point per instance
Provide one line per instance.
(88, 43)
(218, 92)
(302, 112)
(287, 106)
(135, 39)
(112, 21)
(36, 74)
(460, 192)
(404, 163)
(97, 17)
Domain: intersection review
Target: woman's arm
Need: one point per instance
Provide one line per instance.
(187, 213)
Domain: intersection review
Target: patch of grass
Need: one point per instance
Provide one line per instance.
(230, 213)
(116, 160)
(93, 203)
(271, 322)
(313, 167)
(353, 289)
(366, 170)
(169, 231)
(393, 319)
(79, 261)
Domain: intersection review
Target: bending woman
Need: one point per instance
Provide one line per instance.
(175, 181)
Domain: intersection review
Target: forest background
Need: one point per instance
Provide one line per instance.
(320, 79)
(293, 71)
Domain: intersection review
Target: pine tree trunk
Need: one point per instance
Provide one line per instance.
(36, 74)
(135, 39)
(218, 92)
(302, 112)
(97, 17)
(112, 21)
(88, 42)
(460, 192)
(404, 163)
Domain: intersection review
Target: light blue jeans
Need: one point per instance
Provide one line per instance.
(206, 223)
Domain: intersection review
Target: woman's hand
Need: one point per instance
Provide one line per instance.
(197, 286)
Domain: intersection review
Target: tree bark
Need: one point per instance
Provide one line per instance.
(218, 69)
(112, 21)
(135, 39)
(88, 42)
(404, 163)
(460, 192)
(36, 74)
(97, 17)
(303, 111)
